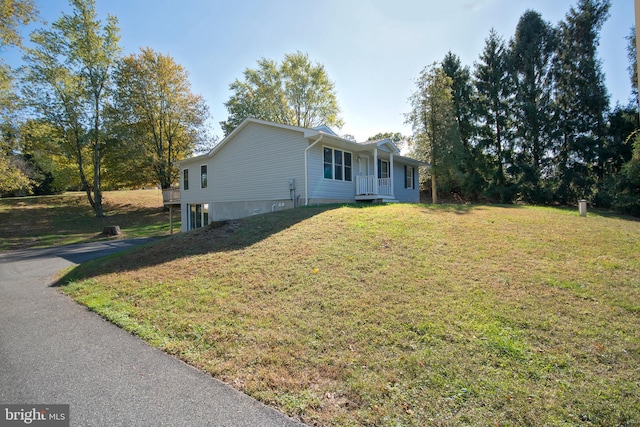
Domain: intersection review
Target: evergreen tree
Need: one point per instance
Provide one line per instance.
(532, 52)
(632, 56)
(582, 101)
(494, 96)
(462, 91)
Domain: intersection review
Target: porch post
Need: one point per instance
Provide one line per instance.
(171, 219)
(391, 171)
(375, 170)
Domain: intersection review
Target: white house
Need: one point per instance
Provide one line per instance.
(263, 167)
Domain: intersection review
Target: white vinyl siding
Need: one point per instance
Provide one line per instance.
(256, 165)
(400, 190)
(322, 188)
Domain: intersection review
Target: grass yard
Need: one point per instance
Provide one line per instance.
(397, 314)
(41, 221)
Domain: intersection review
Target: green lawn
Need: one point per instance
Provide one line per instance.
(397, 314)
(68, 218)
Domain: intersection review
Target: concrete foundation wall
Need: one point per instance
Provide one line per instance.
(221, 211)
(314, 202)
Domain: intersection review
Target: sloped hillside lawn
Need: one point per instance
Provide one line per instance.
(41, 221)
(397, 314)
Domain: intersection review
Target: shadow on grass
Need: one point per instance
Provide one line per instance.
(27, 224)
(456, 208)
(56, 220)
(217, 237)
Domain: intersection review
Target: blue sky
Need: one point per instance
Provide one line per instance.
(372, 49)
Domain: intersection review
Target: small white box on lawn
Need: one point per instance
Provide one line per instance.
(582, 207)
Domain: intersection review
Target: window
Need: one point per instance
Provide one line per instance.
(203, 176)
(337, 164)
(198, 215)
(409, 181)
(185, 179)
(383, 169)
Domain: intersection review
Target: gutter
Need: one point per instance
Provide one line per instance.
(306, 172)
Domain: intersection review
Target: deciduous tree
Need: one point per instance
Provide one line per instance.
(69, 74)
(296, 92)
(157, 120)
(395, 137)
(433, 119)
(13, 15)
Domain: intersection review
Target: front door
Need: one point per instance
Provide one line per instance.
(363, 166)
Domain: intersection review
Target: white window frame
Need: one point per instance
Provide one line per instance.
(388, 163)
(203, 210)
(409, 180)
(204, 177)
(344, 167)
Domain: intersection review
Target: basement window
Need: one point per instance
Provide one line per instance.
(198, 215)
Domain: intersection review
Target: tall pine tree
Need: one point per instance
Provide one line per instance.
(582, 101)
(462, 91)
(532, 52)
(494, 96)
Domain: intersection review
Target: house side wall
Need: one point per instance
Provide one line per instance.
(323, 190)
(402, 194)
(250, 174)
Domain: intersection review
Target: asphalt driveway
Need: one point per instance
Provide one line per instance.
(54, 351)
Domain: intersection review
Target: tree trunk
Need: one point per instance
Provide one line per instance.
(97, 192)
(111, 230)
(434, 189)
(83, 177)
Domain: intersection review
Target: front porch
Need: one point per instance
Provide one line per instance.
(375, 171)
(368, 187)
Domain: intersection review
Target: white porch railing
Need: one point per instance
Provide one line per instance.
(384, 186)
(367, 185)
(171, 195)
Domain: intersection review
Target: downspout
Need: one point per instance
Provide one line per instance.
(306, 172)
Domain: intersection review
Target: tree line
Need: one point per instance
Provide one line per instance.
(80, 115)
(531, 121)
